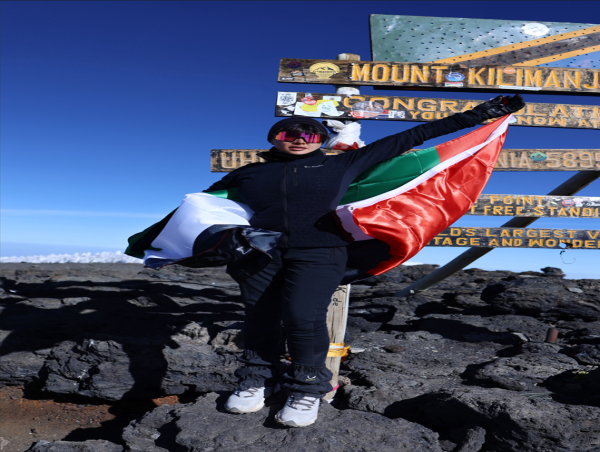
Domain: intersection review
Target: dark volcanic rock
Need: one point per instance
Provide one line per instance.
(123, 368)
(426, 364)
(19, 368)
(465, 358)
(513, 421)
(523, 372)
(536, 296)
(92, 445)
(587, 354)
(589, 334)
(202, 427)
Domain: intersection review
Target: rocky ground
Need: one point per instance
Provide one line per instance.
(114, 357)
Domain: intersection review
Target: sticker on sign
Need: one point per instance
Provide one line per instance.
(286, 98)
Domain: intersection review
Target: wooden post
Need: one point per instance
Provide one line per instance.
(337, 314)
(568, 188)
(337, 317)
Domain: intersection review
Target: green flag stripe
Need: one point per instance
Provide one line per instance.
(383, 177)
(391, 174)
(228, 193)
(142, 241)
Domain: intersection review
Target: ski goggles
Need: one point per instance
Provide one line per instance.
(293, 136)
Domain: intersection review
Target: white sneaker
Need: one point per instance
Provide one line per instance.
(299, 411)
(249, 400)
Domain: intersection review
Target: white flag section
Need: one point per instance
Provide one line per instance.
(197, 212)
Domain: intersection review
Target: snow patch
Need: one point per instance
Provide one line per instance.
(105, 257)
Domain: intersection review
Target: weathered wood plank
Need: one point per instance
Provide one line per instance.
(537, 206)
(337, 317)
(548, 160)
(518, 238)
(426, 109)
(224, 160)
(457, 76)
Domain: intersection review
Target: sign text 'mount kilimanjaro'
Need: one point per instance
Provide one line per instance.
(403, 108)
(458, 76)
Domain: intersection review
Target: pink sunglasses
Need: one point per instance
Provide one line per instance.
(293, 136)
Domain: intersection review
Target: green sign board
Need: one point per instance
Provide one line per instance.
(482, 42)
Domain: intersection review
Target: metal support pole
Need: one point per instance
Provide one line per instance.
(579, 181)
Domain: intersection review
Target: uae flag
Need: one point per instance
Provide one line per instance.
(388, 214)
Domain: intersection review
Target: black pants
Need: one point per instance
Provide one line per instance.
(295, 288)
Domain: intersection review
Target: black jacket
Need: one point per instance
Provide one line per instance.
(296, 194)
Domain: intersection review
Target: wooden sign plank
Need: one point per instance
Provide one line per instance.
(224, 160)
(426, 109)
(548, 160)
(519, 238)
(537, 206)
(435, 76)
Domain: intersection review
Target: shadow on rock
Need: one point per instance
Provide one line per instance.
(116, 340)
(575, 387)
(512, 420)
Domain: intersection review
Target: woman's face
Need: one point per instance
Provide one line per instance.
(297, 147)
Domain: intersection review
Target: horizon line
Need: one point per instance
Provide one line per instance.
(79, 213)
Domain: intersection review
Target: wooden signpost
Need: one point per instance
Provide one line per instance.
(537, 206)
(224, 160)
(426, 109)
(507, 64)
(435, 76)
(337, 318)
(519, 238)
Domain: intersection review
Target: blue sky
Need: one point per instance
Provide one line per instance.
(109, 110)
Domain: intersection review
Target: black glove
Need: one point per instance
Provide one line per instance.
(499, 106)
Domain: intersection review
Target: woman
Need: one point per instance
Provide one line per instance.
(293, 193)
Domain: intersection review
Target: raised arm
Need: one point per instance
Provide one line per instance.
(388, 147)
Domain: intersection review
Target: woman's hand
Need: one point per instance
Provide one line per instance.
(500, 106)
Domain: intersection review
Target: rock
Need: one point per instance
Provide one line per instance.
(94, 368)
(202, 426)
(440, 358)
(474, 328)
(75, 300)
(523, 372)
(590, 334)
(587, 354)
(19, 368)
(426, 364)
(553, 271)
(512, 420)
(91, 445)
(230, 338)
(393, 348)
(125, 368)
(469, 438)
(198, 368)
(539, 347)
(536, 297)
(464, 298)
